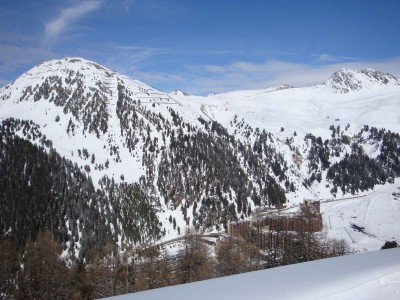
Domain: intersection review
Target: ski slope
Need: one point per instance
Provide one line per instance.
(377, 211)
(368, 276)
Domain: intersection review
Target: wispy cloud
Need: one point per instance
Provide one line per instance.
(16, 58)
(128, 59)
(134, 48)
(127, 4)
(160, 77)
(67, 17)
(325, 57)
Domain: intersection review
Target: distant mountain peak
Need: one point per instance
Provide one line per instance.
(347, 80)
(178, 92)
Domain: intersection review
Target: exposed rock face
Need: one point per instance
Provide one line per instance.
(346, 80)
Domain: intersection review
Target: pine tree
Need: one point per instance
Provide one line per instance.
(8, 268)
(194, 262)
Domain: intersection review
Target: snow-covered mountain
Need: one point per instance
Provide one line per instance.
(146, 164)
(347, 80)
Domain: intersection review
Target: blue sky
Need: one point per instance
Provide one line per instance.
(204, 46)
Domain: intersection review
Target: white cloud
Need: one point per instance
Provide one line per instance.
(67, 16)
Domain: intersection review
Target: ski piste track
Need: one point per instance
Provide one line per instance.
(201, 237)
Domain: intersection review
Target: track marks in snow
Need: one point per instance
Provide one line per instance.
(391, 283)
(367, 210)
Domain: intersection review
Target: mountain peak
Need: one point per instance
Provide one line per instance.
(70, 63)
(178, 92)
(347, 80)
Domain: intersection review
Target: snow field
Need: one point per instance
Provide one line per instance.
(369, 276)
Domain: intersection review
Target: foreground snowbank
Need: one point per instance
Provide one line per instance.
(371, 275)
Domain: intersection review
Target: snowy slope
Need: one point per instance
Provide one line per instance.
(377, 211)
(373, 275)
